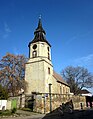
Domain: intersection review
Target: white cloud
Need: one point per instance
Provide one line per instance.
(86, 61)
(71, 40)
(79, 36)
(7, 31)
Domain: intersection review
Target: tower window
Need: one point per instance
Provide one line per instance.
(48, 56)
(34, 54)
(48, 70)
(48, 48)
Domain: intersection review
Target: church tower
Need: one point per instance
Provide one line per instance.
(39, 69)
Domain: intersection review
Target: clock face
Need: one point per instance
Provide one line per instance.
(34, 46)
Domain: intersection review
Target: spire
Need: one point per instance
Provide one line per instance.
(39, 33)
(39, 28)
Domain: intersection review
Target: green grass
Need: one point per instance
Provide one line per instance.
(26, 109)
(5, 113)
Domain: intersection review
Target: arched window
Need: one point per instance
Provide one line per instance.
(60, 89)
(48, 70)
(34, 54)
(63, 90)
(48, 48)
(48, 56)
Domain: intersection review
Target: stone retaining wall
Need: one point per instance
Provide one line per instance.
(42, 102)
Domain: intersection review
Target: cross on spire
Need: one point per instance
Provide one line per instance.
(39, 23)
(40, 16)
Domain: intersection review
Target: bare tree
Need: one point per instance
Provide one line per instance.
(12, 71)
(77, 78)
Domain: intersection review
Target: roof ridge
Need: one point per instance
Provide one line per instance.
(59, 78)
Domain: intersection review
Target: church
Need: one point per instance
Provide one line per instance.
(46, 89)
(39, 72)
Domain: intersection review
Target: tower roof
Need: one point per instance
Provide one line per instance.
(39, 34)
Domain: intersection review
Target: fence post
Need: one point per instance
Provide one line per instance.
(50, 97)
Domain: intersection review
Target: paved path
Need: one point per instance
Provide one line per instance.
(38, 116)
(83, 114)
(25, 115)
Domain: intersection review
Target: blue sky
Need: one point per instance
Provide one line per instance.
(68, 25)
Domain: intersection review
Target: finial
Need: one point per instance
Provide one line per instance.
(40, 16)
(39, 23)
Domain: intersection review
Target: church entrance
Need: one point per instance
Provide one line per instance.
(29, 102)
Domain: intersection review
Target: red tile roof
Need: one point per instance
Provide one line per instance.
(59, 78)
(84, 91)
